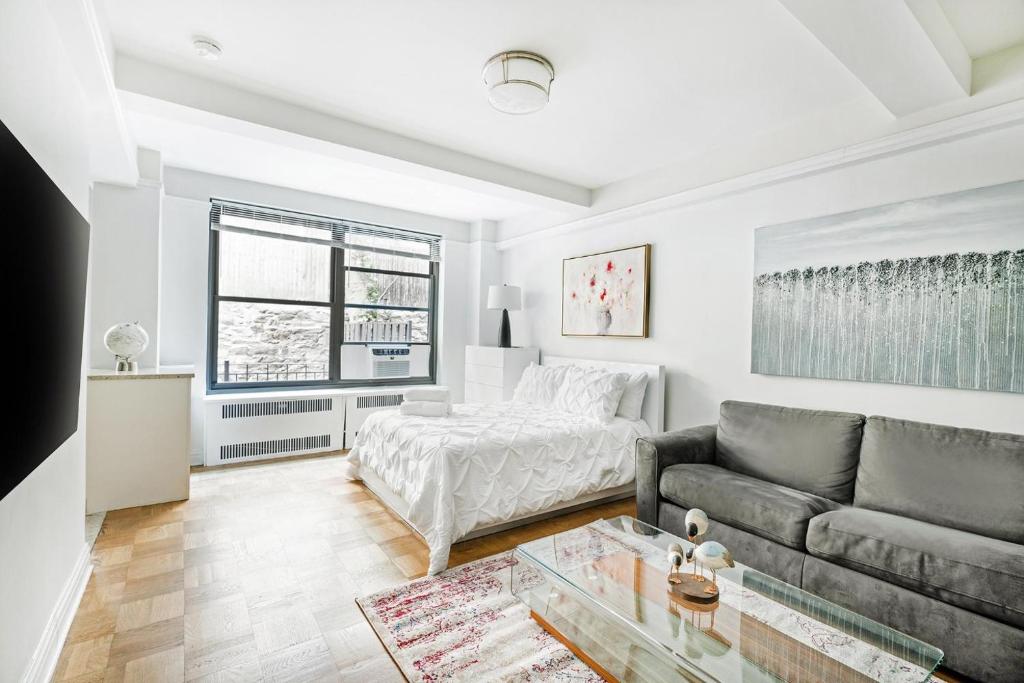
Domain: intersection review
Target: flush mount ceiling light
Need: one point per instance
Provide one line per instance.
(518, 82)
(206, 48)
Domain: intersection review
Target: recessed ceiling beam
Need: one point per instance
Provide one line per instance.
(112, 151)
(169, 93)
(905, 52)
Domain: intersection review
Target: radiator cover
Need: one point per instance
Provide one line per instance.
(262, 428)
(358, 407)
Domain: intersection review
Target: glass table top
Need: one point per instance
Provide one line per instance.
(603, 588)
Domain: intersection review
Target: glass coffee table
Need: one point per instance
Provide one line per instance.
(602, 590)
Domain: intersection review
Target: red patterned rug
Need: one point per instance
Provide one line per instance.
(465, 624)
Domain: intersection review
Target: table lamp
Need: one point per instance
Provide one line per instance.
(506, 298)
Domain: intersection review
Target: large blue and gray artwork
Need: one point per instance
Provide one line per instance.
(927, 292)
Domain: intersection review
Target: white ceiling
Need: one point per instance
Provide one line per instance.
(638, 85)
(986, 26)
(641, 88)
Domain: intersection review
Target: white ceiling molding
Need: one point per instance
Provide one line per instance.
(175, 94)
(112, 154)
(905, 53)
(217, 152)
(974, 123)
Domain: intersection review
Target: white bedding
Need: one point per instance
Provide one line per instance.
(489, 463)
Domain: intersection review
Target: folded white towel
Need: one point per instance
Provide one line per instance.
(433, 394)
(425, 408)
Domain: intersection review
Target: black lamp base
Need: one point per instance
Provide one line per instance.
(505, 334)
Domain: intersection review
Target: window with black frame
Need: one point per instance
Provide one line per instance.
(301, 300)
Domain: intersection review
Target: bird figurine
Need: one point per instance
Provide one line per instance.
(696, 522)
(714, 556)
(689, 559)
(675, 561)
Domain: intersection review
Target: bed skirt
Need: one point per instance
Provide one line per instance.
(396, 504)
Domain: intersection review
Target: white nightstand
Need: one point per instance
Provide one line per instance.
(492, 373)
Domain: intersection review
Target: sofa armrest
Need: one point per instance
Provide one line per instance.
(655, 453)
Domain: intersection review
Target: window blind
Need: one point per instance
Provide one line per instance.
(333, 232)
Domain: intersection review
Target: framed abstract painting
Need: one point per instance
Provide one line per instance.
(606, 294)
(927, 292)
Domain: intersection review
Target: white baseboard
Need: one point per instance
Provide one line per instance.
(44, 660)
(195, 459)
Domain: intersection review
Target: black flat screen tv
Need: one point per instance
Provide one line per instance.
(47, 262)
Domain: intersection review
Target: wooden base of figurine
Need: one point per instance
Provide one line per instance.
(692, 588)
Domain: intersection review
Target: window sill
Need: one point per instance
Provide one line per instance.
(233, 394)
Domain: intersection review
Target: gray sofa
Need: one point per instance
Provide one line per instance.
(915, 525)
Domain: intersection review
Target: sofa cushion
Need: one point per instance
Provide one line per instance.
(966, 479)
(771, 511)
(981, 574)
(810, 450)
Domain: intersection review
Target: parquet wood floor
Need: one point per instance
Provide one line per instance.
(255, 578)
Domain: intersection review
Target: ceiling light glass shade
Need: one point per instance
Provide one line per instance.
(518, 82)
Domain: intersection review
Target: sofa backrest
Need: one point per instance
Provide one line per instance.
(810, 450)
(966, 479)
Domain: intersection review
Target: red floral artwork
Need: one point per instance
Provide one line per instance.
(605, 294)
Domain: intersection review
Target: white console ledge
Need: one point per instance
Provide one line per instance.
(137, 438)
(161, 372)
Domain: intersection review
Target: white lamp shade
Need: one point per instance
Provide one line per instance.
(504, 296)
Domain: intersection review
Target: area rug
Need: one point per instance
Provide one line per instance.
(465, 624)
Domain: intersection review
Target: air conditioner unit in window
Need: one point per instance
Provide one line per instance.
(384, 360)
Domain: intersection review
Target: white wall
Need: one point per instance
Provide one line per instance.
(484, 270)
(41, 520)
(201, 186)
(453, 308)
(184, 270)
(125, 252)
(184, 280)
(702, 262)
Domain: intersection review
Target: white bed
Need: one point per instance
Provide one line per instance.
(489, 467)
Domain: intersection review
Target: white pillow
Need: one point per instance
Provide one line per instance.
(539, 384)
(632, 401)
(591, 391)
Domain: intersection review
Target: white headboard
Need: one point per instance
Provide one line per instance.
(653, 411)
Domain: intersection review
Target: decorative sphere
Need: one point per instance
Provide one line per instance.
(697, 517)
(126, 340)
